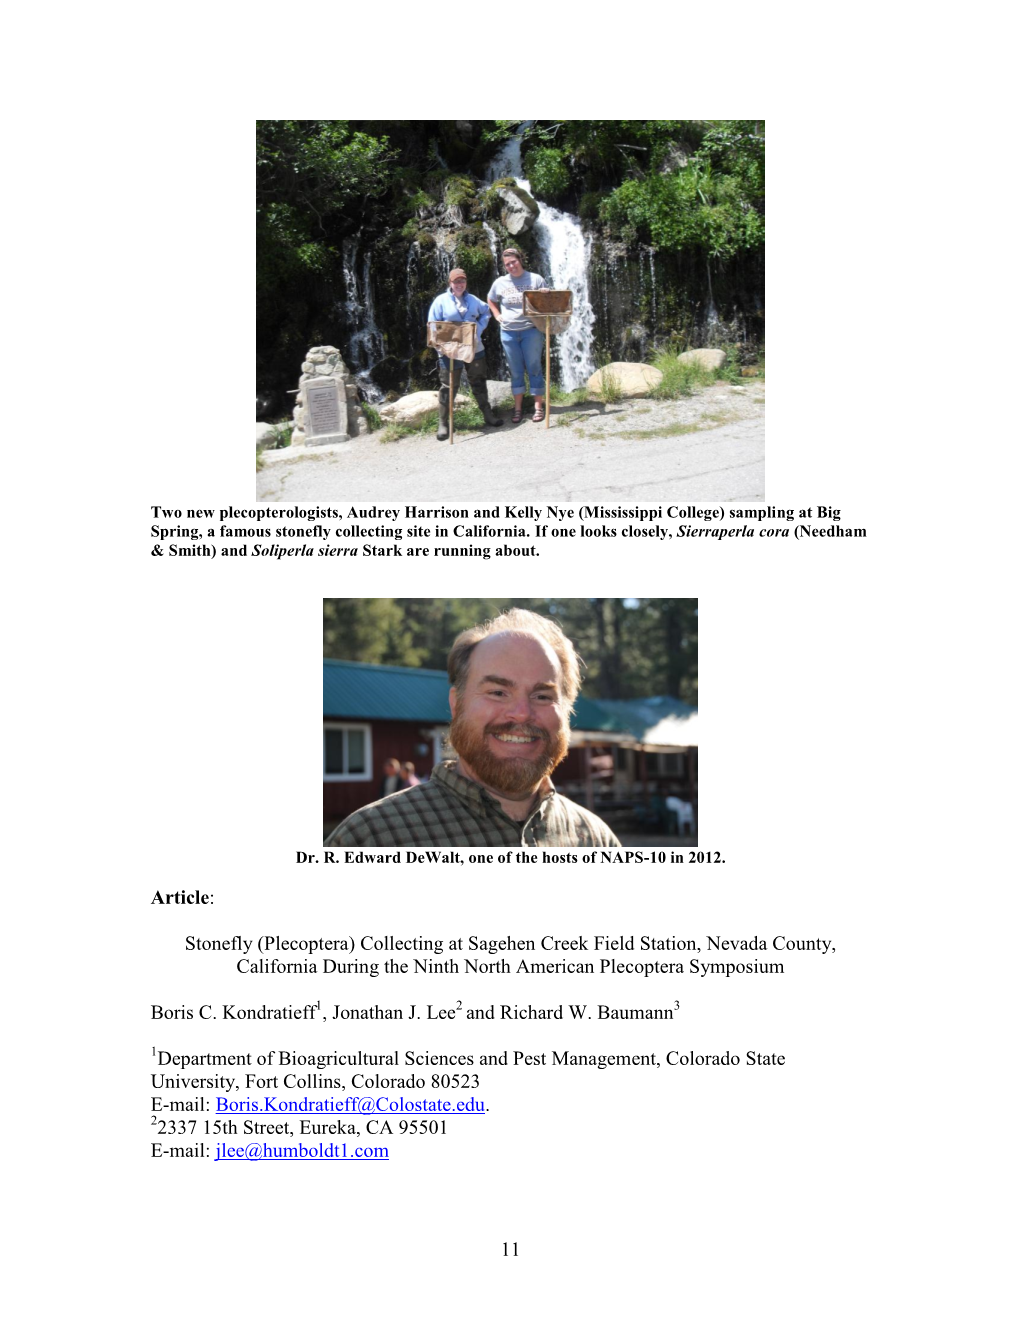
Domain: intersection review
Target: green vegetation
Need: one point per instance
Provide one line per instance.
(466, 417)
(557, 394)
(692, 189)
(278, 436)
(693, 210)
(707, 422)
(682, 185)
(489, 200)
(680, 378)
(372, 416)
(546, 170)
(609, 390)
(459, 191)
(630, 648)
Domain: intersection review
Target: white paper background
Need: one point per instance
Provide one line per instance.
(166, 717)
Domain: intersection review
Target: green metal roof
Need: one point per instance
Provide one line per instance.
(593, 716)
(655, 720)
(384, 692)
(351, 690)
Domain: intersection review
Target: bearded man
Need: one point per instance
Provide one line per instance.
(513, 682)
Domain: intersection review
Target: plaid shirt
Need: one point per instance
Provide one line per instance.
(454, 812)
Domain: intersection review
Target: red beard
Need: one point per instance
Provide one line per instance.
(507, 774)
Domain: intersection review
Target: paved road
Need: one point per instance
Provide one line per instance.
(564, 464)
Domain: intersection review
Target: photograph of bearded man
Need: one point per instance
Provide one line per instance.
(513, 683)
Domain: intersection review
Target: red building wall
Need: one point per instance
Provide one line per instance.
(399, 738)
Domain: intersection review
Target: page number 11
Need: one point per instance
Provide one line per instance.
(509, 1248)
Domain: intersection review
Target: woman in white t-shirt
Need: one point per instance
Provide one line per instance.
(523, 343)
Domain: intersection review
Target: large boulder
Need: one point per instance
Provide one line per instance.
(710, 358)
(414, 408)
(518, 210)
(627, 380)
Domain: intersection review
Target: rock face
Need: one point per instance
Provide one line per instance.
(517, 210)
(374, 303)
(632, 380)
(710, 358)
(323, 364)
(645, 300)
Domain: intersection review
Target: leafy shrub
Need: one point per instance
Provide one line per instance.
(546, 171)
(278, 436)
(730, 369)
(713, 205)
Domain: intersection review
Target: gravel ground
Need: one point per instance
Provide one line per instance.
(707, 447)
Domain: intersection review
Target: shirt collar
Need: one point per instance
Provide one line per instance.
(474, 795)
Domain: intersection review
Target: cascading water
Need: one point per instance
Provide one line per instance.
(565, 253)
(506, 164)
(502, 369)
(412, 262)
(493, 244)
(711, 312)
(444, 264)
(365, 344)
(651, 266)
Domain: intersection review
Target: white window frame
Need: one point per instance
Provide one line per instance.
(366, 729)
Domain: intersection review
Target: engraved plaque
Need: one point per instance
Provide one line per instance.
(323, 405)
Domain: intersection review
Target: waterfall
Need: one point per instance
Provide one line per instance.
(506, 164)
(349, 309)
(365, 344)
(711, 313)
(444, 262)
(412, 261)
(493, 244)
(502, 369)
(651, 266)
(565, 254)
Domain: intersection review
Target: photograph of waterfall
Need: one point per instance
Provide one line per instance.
(655, 227)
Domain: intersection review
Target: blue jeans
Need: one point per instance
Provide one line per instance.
(524, 351)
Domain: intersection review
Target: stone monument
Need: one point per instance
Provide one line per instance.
(327, 410)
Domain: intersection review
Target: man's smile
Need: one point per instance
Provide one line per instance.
(514, 738)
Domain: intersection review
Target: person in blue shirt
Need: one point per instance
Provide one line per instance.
(459, 305)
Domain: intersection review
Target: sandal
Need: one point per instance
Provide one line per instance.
(518, 415)
(539, 413)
